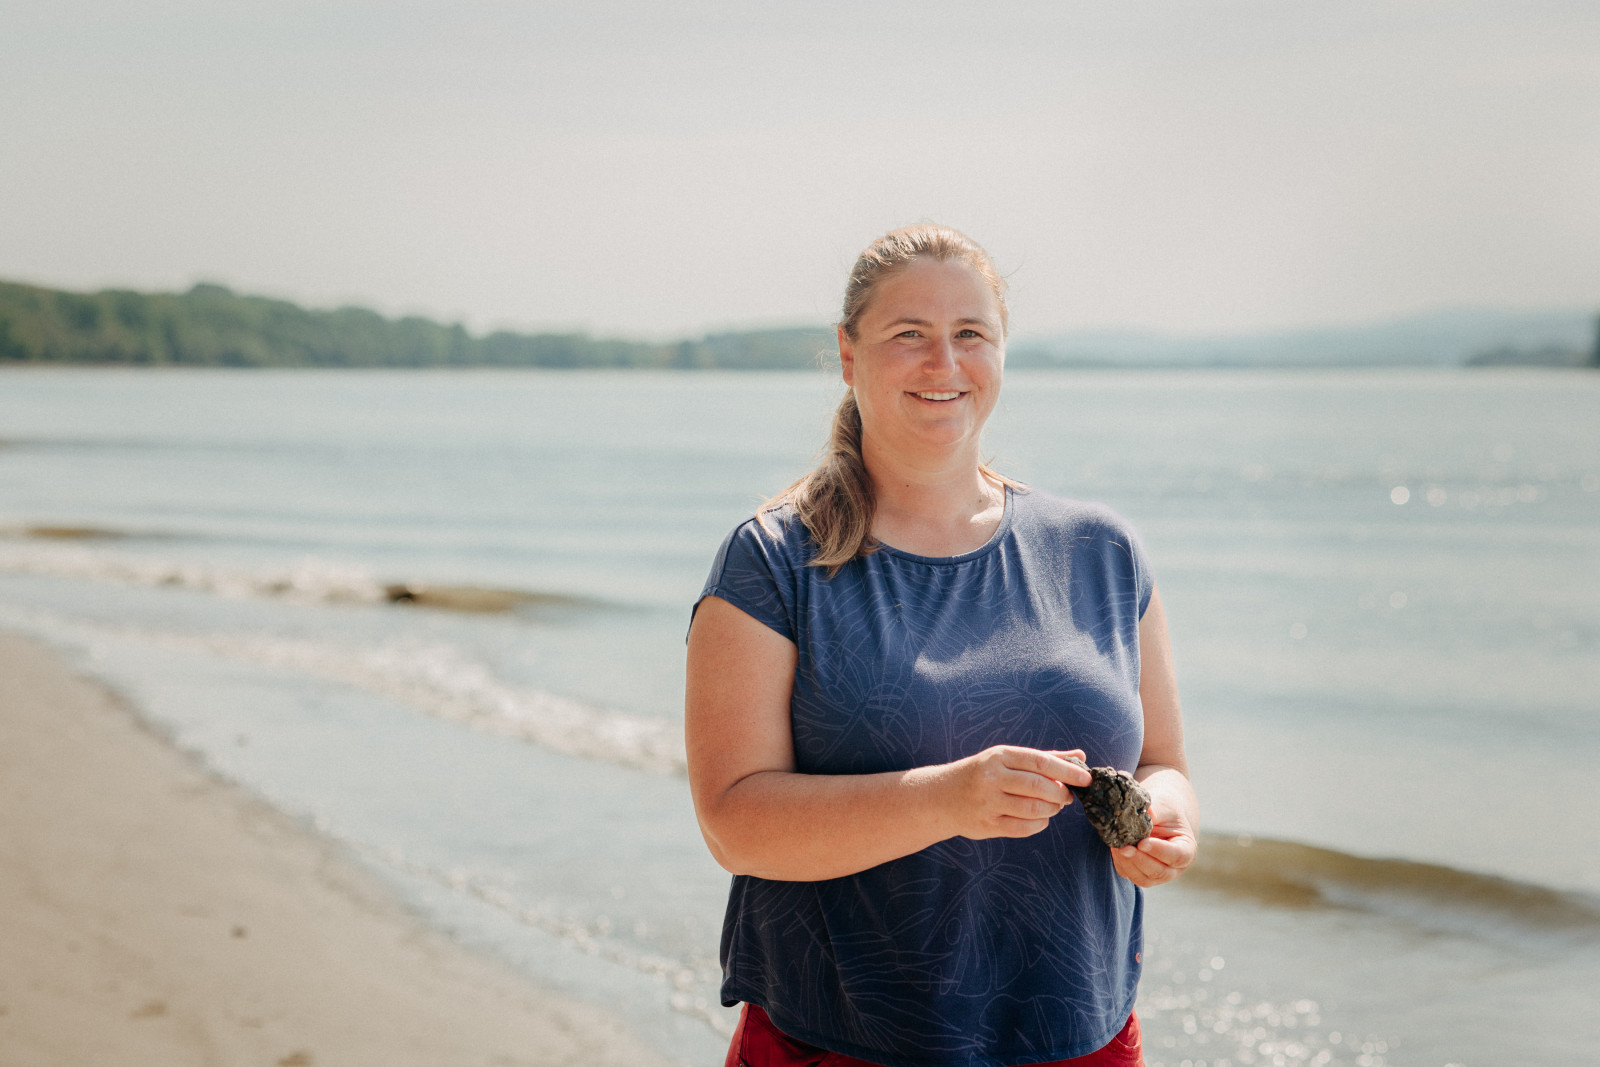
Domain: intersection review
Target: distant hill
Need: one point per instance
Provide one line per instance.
(1449, 338)
(212, 326)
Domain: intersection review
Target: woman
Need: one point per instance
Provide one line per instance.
(887, 670)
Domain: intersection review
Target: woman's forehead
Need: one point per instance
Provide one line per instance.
(934, 290)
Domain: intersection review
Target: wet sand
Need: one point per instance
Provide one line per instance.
(152, 914)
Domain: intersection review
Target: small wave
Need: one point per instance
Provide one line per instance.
(308, 580)
(475, 598)
(1292, 875)
(123, 445)
(63, 533)
(438, 680)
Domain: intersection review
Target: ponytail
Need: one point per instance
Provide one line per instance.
(835, 500)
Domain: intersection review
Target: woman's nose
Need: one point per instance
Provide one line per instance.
(941, 353)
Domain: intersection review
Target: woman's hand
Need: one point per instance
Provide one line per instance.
(1007, 791)
(1171, 846)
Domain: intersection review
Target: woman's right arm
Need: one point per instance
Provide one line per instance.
(761, 817)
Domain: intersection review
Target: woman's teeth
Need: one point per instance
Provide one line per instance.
(938, 396)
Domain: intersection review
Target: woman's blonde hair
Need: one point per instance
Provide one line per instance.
(834, 499)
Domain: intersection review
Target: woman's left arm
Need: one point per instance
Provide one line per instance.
(1163, 770)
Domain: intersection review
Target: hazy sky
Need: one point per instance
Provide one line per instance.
(655, 168)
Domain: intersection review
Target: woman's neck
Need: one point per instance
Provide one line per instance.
(932, 509)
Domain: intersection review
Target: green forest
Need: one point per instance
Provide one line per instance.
(212, 326)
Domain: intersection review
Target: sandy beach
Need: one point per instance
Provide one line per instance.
(152, 914)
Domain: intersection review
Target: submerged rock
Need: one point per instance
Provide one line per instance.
(1116, 805)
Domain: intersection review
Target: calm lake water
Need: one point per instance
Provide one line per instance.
(1384, 590)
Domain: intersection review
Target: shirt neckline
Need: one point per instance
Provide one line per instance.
(982, 550)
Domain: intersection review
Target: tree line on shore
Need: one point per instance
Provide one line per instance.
(212, 326)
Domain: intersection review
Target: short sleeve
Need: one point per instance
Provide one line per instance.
(1144, 582)
(753, 572)
(1126, 568)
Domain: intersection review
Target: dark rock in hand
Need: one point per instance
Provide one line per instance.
(1117, 806)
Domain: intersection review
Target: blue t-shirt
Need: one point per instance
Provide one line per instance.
(972, 953)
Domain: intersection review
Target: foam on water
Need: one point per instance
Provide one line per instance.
(443, 681)
(308, 580)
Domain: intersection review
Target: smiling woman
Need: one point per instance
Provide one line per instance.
(896, 671)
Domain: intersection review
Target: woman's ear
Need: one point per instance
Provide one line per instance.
(847, 358)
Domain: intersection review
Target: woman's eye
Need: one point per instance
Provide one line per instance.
(968, 334)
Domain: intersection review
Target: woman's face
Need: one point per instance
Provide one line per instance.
(927, 357)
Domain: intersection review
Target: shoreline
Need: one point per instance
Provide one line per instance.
(153, 913)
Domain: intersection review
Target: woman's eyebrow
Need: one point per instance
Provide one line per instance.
(969, 321)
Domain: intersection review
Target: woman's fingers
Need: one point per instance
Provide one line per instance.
(1050, 765)
(1140, 869)
(1165, 854)
(1074, 774)
(1146, 866)
(1033, 786)
(1008, 791)
(1176, 852)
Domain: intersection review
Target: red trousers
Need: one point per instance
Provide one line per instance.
(757, 1043)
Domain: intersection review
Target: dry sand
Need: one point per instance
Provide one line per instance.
(150, 914)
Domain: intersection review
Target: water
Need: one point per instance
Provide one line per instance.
(1385, 599)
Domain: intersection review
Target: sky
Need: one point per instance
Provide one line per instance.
(659, 169)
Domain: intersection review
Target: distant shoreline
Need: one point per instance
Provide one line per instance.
(212, 326)
(1012, 366)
